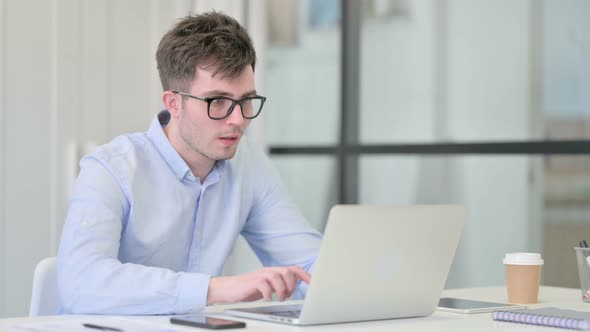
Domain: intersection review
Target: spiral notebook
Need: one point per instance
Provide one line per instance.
(552, 317)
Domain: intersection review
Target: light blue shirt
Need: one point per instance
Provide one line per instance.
(144, 236)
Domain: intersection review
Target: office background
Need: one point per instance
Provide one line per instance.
(345, 79)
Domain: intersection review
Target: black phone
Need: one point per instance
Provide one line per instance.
(207, 322)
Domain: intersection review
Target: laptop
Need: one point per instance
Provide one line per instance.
(375, 262)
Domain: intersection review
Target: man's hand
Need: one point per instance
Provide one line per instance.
(256, 285)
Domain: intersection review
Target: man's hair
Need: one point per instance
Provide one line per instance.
(211, 41)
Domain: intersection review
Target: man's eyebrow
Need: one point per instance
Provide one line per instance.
(222, 93)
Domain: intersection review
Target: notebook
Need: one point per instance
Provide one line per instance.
(375, 262)
(552, 317)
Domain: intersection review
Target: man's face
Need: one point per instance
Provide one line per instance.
(214, 139)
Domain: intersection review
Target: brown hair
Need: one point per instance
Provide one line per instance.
(209, 40)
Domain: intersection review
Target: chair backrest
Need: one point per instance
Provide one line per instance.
(45, 296)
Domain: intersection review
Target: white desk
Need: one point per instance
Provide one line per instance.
(566, 298)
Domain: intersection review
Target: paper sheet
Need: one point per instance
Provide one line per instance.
(76, 325)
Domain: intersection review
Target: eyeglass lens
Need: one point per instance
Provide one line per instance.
(220, 107)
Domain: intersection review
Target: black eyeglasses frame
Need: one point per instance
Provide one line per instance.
(235, 102)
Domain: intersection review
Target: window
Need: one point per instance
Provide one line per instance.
(440, 104)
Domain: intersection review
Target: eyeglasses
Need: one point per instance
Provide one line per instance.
(219, 108)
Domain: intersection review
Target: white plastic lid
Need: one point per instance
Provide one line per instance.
(523, 258)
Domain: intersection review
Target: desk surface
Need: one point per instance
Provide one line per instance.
(566, 298)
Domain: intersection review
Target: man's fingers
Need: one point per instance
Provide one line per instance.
(301, 274)
(281, 281)
(291, 281)
(278, 285)
(265, 289)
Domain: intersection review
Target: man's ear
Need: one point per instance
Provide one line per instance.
(173, 103)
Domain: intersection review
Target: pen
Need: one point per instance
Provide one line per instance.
(100, 327)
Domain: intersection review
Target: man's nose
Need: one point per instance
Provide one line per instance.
(236, 118)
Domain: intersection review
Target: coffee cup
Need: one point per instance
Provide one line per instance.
(523, 276)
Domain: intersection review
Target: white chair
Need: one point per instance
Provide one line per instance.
(45, 296)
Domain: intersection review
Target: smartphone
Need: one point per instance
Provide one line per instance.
(473, 307)
(199, 320)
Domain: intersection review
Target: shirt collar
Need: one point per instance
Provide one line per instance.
(158, 137)
(173, 159)
(220, 166)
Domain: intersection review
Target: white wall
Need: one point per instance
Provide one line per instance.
(3, 247)
(27, 82)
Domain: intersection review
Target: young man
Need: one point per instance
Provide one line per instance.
(155, 215)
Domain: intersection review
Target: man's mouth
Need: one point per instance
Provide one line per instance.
(230, 140)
